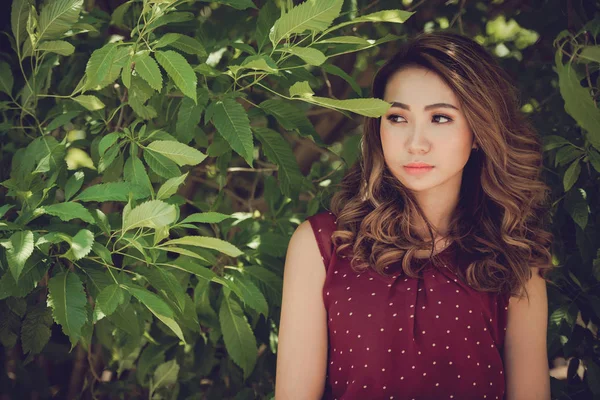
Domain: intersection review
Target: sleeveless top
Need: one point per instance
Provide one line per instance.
(401, 338)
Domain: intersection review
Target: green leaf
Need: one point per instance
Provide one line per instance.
(334, 70)
(108, 300)
(135, 172)
(151, 214)
(81, 245)
(113, 191)
(170, 187)
(278, 151)
(57, 17)
(395, 16)
(68, 211)
(252, 296)
(161, 165)
(18, 19)
(148, 69)
(181, 42)
(231, 120)
(73, 184)
(35, 331)
(165, 375)
(57, 46)
(577, 207)
(158, 307)
(67, 299)
(209, 217)
(207, 242)
(106, 142)
(237, 335)
(178, 152)
(99, 65)
(571, 174)
(165, 282)
(179, 70)
(291, 118)
(19, 248)
(267, 16)
(368, 107)
(90, 102)
(188, 117)
(578, 103)
(313, 15)
(309, 55)
(6, 78)
(301, 89)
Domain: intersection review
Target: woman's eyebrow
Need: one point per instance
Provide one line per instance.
(429, 107)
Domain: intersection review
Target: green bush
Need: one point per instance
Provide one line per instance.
(143, 229)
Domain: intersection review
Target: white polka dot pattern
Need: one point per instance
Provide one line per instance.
(428, 338)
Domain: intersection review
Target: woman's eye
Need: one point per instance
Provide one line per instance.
(392, 118)
(443, 116)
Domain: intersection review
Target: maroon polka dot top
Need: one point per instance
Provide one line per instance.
(405, 338)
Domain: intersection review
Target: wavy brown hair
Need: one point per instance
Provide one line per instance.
(499, 221)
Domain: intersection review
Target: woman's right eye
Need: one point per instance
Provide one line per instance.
(393, 117)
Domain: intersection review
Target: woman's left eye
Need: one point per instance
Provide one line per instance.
(443, 116)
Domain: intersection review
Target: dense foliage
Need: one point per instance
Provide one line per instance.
(157, 156)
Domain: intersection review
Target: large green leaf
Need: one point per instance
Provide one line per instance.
(18, 19)
(6, 78)
(578, 102)
(238, 4)
(170, 187)
(181, 42)
(188, 117)
(99, 65)
(237, 335)
(151, 214)
(165, 375)
(57, 46)
(108, 300)
(179, 70)
(394, 16)
(67, 300)
(164, 281)
(135, 172)
(90, 102)
(158, 307)
(309, 55)
(68, 211)
(35, 331)
(279, 152)
(19, 248)
(368, 107)
(291, 118)
(267, 16)
(178, 152)
(81, 245)
(252, 295)
(57, 17)
(113, 191)
(314, 15)
(231, 120)
(161, 165)
(207, 242)
(148, 69)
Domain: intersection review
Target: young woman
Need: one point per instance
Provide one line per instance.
(425, 279)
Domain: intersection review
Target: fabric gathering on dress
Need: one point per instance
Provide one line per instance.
(396, 337)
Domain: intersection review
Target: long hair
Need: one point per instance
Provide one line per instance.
(499, 221)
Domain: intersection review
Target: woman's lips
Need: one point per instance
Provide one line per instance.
(417, 170)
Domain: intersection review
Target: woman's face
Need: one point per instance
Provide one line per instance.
(425, 124)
